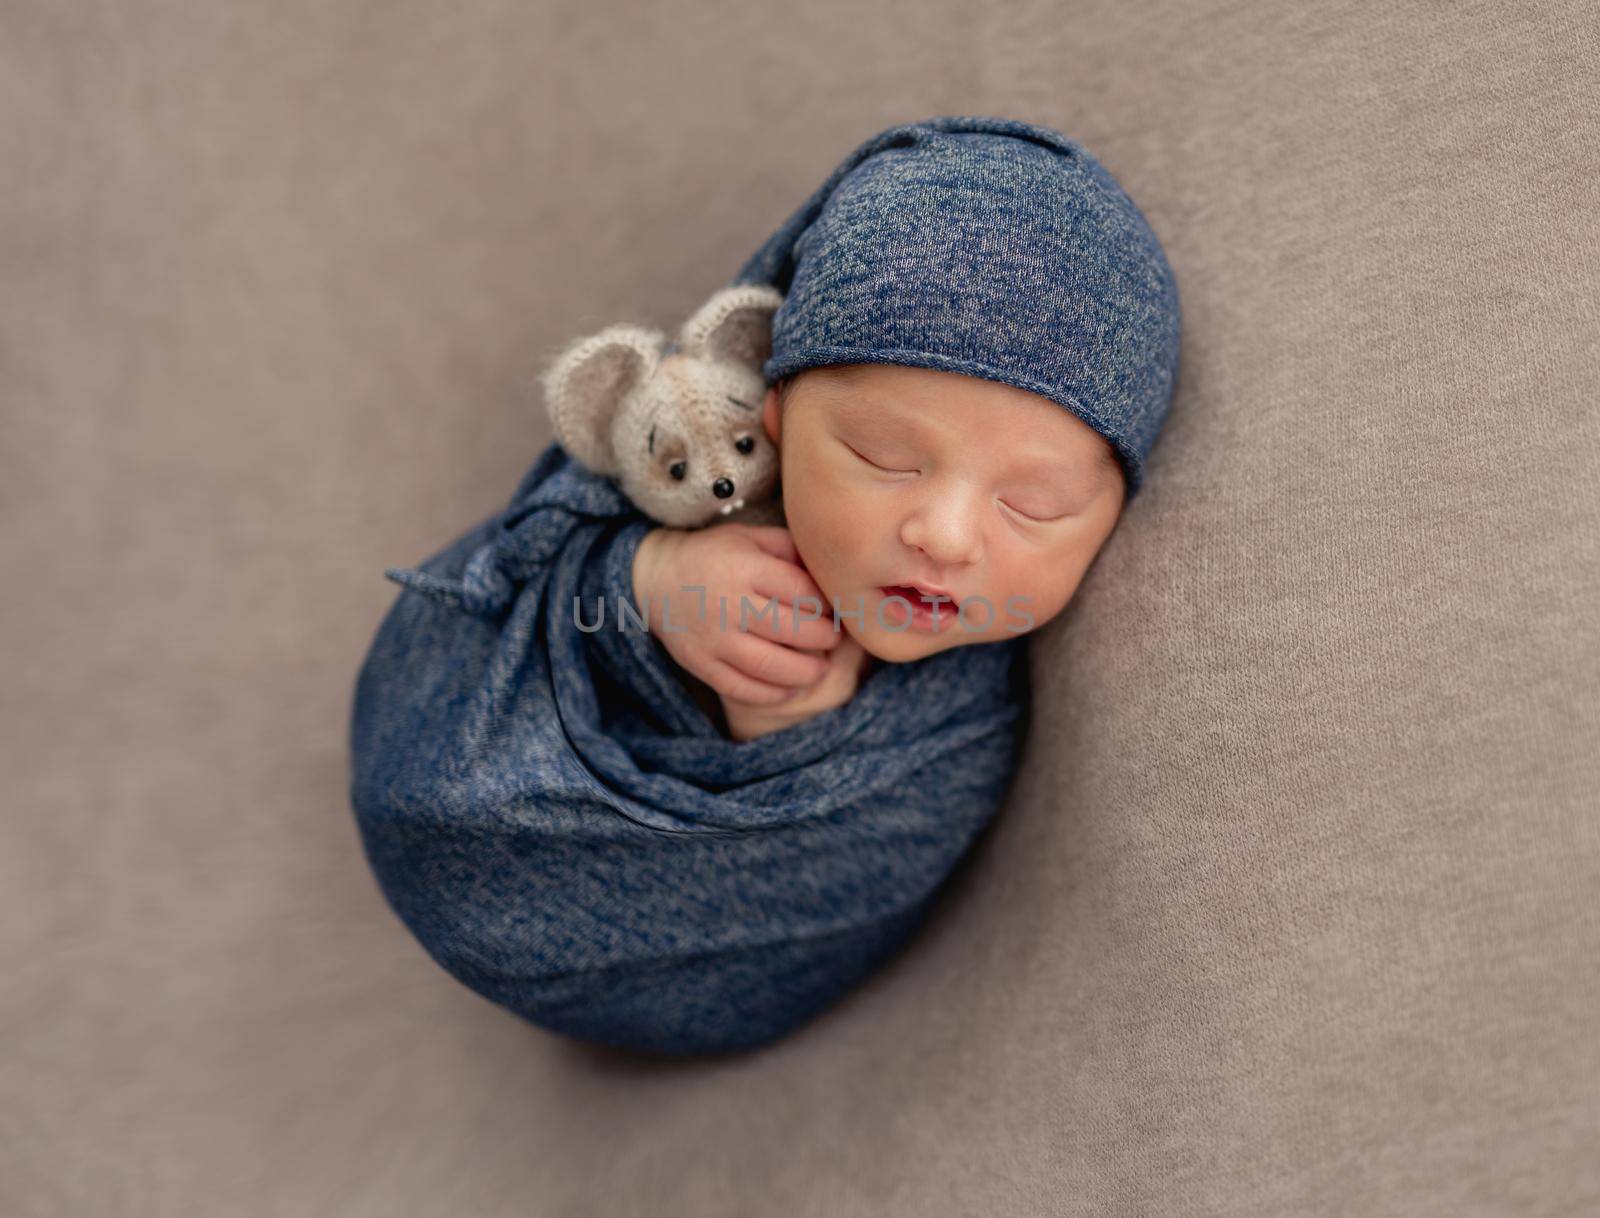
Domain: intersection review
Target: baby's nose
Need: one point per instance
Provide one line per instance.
(722, 488)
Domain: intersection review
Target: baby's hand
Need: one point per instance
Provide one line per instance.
(847, 665)
(768, 661)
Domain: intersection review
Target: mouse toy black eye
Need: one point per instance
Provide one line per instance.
(745, 444)
(678, 469)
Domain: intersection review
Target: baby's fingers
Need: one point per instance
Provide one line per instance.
(775, 539)
(769, 618)
(731, 683)
(791, 586)
(774, 663)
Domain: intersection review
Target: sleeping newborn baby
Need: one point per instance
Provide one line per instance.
(925, 510)
(692, 839)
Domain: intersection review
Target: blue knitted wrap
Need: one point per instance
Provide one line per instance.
(560, 825)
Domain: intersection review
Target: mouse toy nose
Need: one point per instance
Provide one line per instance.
(722, 487)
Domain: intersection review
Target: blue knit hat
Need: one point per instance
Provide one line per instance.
(987, 246)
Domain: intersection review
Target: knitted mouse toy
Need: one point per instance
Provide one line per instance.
(677, 425)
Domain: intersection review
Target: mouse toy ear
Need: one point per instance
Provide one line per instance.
(587, 384)
(735, 324)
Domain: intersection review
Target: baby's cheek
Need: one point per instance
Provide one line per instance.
(818, 547)
(1025, 604)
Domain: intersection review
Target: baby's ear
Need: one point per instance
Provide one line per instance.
(587, 383)
(735, 324)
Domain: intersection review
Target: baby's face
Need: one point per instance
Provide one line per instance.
(895, 476)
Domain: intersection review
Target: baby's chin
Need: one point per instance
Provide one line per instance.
(897, 648)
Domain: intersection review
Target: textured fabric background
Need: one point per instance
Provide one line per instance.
(1294, 910)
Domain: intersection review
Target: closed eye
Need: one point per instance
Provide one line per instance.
(1026, 516)
(886, 469)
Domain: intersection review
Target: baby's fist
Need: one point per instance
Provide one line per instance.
(704, 579)
(848, 663)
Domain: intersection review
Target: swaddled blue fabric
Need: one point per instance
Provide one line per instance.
(552, 815)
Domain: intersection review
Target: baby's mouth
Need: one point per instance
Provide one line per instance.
(915, 595)
(924, 613)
